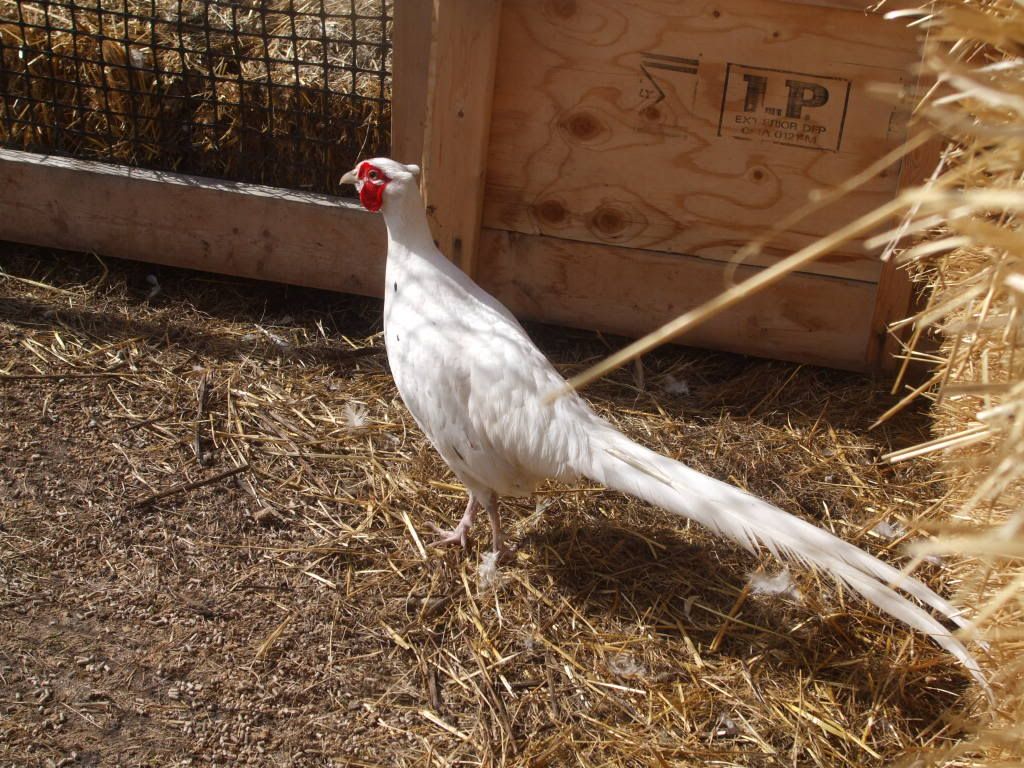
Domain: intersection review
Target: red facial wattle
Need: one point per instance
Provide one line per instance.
(372, 182)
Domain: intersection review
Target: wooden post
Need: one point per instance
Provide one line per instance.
(459, 121)
(411, 37)
(896, 299)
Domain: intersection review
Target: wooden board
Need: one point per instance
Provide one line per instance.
(459, 107)
(411, 43)
(187, 221)
(690, 128)
(312, 240)
(807, 319)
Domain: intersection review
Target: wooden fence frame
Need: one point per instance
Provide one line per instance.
(450, 107)
(441, 118)
(246, 230)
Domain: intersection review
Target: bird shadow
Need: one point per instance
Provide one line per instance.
(653, 576)
(271, 321)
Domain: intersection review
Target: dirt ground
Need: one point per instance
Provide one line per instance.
(290, 613)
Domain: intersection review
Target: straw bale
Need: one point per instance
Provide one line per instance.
(972, 264)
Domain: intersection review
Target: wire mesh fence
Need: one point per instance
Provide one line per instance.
(281, 92)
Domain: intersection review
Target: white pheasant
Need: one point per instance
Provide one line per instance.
(478, 387)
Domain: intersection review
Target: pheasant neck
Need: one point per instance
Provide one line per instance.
(408, 231)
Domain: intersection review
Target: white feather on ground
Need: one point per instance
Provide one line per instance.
(779, 585)
(488, 575)
(356, 416)
(888, 530)
(626, 666)
(673, 386)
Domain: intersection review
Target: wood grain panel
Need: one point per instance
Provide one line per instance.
(464, 55)
(187, 221)
(808, 318)
(323, 242)
(411, 38)
(623, 122)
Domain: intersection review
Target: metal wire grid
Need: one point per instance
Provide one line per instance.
(281, 92)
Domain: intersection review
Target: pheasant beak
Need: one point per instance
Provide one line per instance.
(352, 177)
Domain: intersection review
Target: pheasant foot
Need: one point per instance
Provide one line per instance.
(459, 535)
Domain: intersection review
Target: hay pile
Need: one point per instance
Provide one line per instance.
(212, 547)
(973, 266)
(281, 92)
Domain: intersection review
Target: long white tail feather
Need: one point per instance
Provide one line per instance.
(620, 463)
(784, 528)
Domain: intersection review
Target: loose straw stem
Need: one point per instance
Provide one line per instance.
(190, 486)
(730, 297)
(823, 198)
(765, 278)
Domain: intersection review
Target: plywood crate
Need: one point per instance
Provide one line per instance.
(597, 163)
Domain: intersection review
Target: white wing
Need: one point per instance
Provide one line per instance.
(475, 382)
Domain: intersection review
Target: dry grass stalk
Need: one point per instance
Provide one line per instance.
(973, 267)
(970, 254)
(766, 278)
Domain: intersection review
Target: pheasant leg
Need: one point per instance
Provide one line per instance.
(497, 535)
